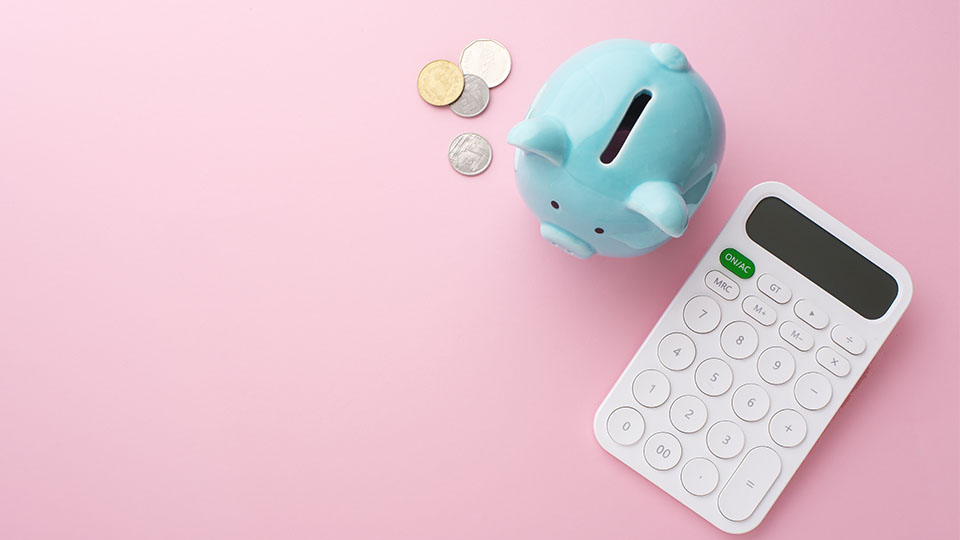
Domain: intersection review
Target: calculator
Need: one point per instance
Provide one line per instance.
(753, 357)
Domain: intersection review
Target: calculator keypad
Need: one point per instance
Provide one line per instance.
(662, 451)
(721, 284)
(625, 426)
(688, 414)
(844, 337)
(796, 336)
(651, 388)
(809, 313)
(813, 391)
(751, 402)
(676, 351)
(739, 340)
(833, 361)
(776, 365)
(759, 310)
(699, 476)
(749, 483)
(725, 439)
(713, 377)
(701, 314)
(774, 288)
(760, 372)
(788, 428)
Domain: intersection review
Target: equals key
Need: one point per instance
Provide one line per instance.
(752, 480)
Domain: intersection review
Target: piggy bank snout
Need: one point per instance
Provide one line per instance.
(566, 241)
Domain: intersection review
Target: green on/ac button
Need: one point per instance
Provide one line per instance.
(735, 262)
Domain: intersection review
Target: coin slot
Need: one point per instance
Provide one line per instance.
(626, 126)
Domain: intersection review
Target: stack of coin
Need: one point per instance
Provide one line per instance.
(484, 64)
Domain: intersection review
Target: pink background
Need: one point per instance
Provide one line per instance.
(243, 295)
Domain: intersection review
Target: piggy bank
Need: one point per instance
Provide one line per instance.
(618, 149)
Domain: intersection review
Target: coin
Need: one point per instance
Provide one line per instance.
(440, 82)
(486, 58)
(474, 98)
(469, 154)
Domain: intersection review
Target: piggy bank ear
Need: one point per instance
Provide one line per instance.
(670, 56)
(542, 136)
(662, 204)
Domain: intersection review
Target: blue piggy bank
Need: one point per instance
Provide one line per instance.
(618, 149)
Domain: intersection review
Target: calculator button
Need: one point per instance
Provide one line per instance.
(760, 311)
(844, 337)
(662, 451)
(811, 314)
(813, 391)
(651, 388)
(676, 351)
(722, 285)
(725, 439)
(751, 402)
(699, 476)
(832, 360)
(713, 377)
(701, 314)
(688, 414)
(750, 482)
(776, 365)
(788, 428)
(774, 288)
(739, 340)
(625, 426)
(796, 336)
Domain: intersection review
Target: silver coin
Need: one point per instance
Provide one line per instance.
(488, 59)
(469, 154)
(474, 98)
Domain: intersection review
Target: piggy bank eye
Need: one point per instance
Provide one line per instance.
(555, 205)
(598, 230)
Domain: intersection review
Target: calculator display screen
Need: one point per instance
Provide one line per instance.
(824, 259)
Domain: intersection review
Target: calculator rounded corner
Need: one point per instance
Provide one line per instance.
(770, 187)
(904, 284)
(741, 527)
(600, 429)
(900, 274)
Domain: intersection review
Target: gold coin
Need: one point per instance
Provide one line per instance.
(440, 82)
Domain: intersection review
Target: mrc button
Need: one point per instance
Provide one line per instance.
(735, 262)
(722, 285)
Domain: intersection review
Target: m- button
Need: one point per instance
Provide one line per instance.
(796, 336)
(722, 285)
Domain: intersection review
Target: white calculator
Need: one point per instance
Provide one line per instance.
(753, 357)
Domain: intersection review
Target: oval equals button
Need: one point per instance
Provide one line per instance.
(752, 480)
